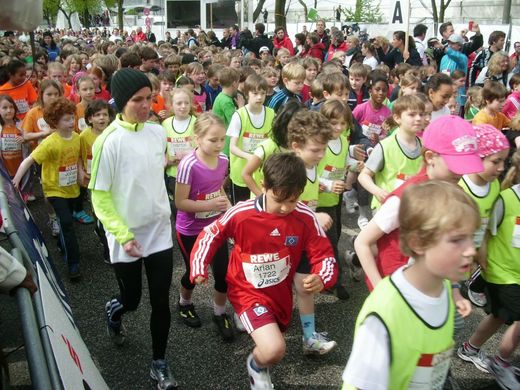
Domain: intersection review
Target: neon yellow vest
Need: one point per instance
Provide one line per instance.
(419, 354)
(485, 206)
(397, 166)
(178, 143)
(309, 195)
(269, 147)
(503, 265)
(333, 167)
(250, 137)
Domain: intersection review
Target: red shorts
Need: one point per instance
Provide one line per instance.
(257, 316)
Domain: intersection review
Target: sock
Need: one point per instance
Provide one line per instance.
(254, 365)
(471, 347)
(218, 310)
(115, 310)
(500, 360)
(365, 211)
(308, 325)
(184, 302)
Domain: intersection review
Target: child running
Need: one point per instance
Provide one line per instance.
(500, 269)
(200, 199)
(404, 331)
(261, 272)
(11, 137)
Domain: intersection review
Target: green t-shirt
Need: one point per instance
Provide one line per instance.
(224, 107)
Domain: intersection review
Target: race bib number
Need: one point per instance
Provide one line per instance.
(431, 371)
(89, 164)
(478, 237)
(251, 140)
(333, 173)
(400, 179)
(370, 128)
(68, 175)
(515, 241)
(22, 105)
(179, 146)
(207, 214)
(42, 125)
(267, 269)
(82, 124)
(10, 144)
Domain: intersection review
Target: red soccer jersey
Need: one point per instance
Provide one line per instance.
(267, 251)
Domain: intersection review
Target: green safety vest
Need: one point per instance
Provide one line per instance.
(269, 147)
(309, 195)
(397, 168)
(485, 206)
(503, 263)
(178, 142)
(419, 353)
(333, 167)
(250, 137)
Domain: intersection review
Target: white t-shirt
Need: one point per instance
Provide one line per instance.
(480, 191)
(372, 62)
(442, 112)
(370, 371)
(181, 125)
(131, 168)
(387, 217)
(235, 125)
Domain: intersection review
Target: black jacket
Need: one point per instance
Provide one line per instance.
(394, 57)
(257, 42)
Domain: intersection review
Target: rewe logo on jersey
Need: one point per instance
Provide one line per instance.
(275, 233)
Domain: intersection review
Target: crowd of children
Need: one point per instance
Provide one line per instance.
(241, 149)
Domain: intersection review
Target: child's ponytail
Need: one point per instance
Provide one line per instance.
(513, 175)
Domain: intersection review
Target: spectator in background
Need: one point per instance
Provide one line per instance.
(454, 59)
(235, 36)
(281, 39)
(53, 51)
(322, 34)
(475, 42)
(515, 58)
(140, 36)
(337, 43)
(496, 43)
(299, 44)
(191, 41)
(498, 69)
(260, 40)
(398, 54)
(150, 36)
(419, 33)
(313, 47)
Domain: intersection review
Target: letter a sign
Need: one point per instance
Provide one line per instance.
(400, 14)
(397, 16)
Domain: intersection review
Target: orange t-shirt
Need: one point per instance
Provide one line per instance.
(23, 95)
(34, 123)
(67, 89)
(499, 120)
(11, 148)
(158, 105)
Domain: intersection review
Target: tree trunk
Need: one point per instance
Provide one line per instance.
(305, 10)
(258, 10)
(120, 15)
(86, 19)
(279, 14)
(435, 15)
(67, 16)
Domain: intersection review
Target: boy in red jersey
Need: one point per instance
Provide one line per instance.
(270, 234)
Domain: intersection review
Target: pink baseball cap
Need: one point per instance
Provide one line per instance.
(455, 140)
(490, 140)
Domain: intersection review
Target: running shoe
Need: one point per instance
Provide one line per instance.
(362, 222)
(318, 344)
(31, 197)
(115, 329)
(478, 358)
(82, 217)
(260, 379)
(54, 226)
(504, 375)
(74, 272)
(478, 299)
(160, 372)
(224, 326)
(189, 316)
(355, 272)
(349, 198)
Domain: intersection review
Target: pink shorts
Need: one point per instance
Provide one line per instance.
(258, 316)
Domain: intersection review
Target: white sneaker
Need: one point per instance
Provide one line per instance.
(349, 198)
(478, 358)
(504, 376)
(478, 299)
(238, 324)
(318, 344)
(54, 226)
(355, 272)
(362, 221)
(259, 380)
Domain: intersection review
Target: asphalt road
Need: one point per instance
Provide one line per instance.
(198, 357)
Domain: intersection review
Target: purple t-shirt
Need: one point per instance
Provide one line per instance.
(370, 119)
(205, 183)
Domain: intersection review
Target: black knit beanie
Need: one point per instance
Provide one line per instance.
(125, 83)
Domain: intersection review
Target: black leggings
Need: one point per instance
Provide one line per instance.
(239, 194)
(219, 263)
(63, 208)
(159, 269)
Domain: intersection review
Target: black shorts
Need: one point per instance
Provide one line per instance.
(503, 301)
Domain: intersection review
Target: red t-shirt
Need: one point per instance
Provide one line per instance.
(305, 93)
(266, 254)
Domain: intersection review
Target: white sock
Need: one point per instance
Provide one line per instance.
(219, 310)
(365, 211)
(184, 302)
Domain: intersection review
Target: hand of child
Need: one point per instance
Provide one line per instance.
(133, 248)
(16, 182)
(359, 153)
(19, 139)
(324, 220)
(220, 203)
(462, 304)
(27, 283)
(163, 114)
(381, 195)
(338, 186)
(360, 166)
(313, 283)
(200, 280)
(374, 138)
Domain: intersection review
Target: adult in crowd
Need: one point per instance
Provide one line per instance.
(191, 40)
(475, 42)
(322, 34)
(116, 36)
(260, 40)
(498, 69)
(140, 36)
(337, 43)
(453, 58)
(128, 167)
(399, 54)
(168, 38)
(226, 39)
(313, 47)
(281, 39)
(382, 45)
(150, 36)
(496, 42)
(212, 38)
(515, 58)
(419, 34)
(49, 44)
(234, 32)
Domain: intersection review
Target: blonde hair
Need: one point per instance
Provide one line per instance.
(204, 122)
(281, 51)
(408, 102)
(336, 109)
(407, 80)
(474, 98)
(494, 64)
(308, 125)
(154, 80)
(183, 91)
(431, 209)
(293, 71)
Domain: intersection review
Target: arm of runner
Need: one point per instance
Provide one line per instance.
(247, 174)
(366, 239)
(112, 222)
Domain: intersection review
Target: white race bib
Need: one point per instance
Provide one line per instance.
(515, 241)
(333, 173)
(431, 371)
(267, 269)
(89, 164)
(370, 128)
(207, 214)
(22, 105)
(251, 140)
(400, 178)
(68, 175)
(82, 124)
(179, 146)
(9, 143)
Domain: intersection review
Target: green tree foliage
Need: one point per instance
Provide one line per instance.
(365, 11)
(50, 11)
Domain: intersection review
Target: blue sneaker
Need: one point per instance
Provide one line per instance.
(82, 217)
(74, 272)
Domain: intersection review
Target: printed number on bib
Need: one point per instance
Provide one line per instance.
(9, 143)
(333, 173)
(515, 242)
(179, 146)
(370, 128)
(251, 140)
(68, 175)
(207, 214)
(267, 269)
(431, 371)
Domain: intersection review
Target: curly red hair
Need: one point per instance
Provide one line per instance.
(54, 111)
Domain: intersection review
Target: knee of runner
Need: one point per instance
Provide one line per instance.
(273, 352)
